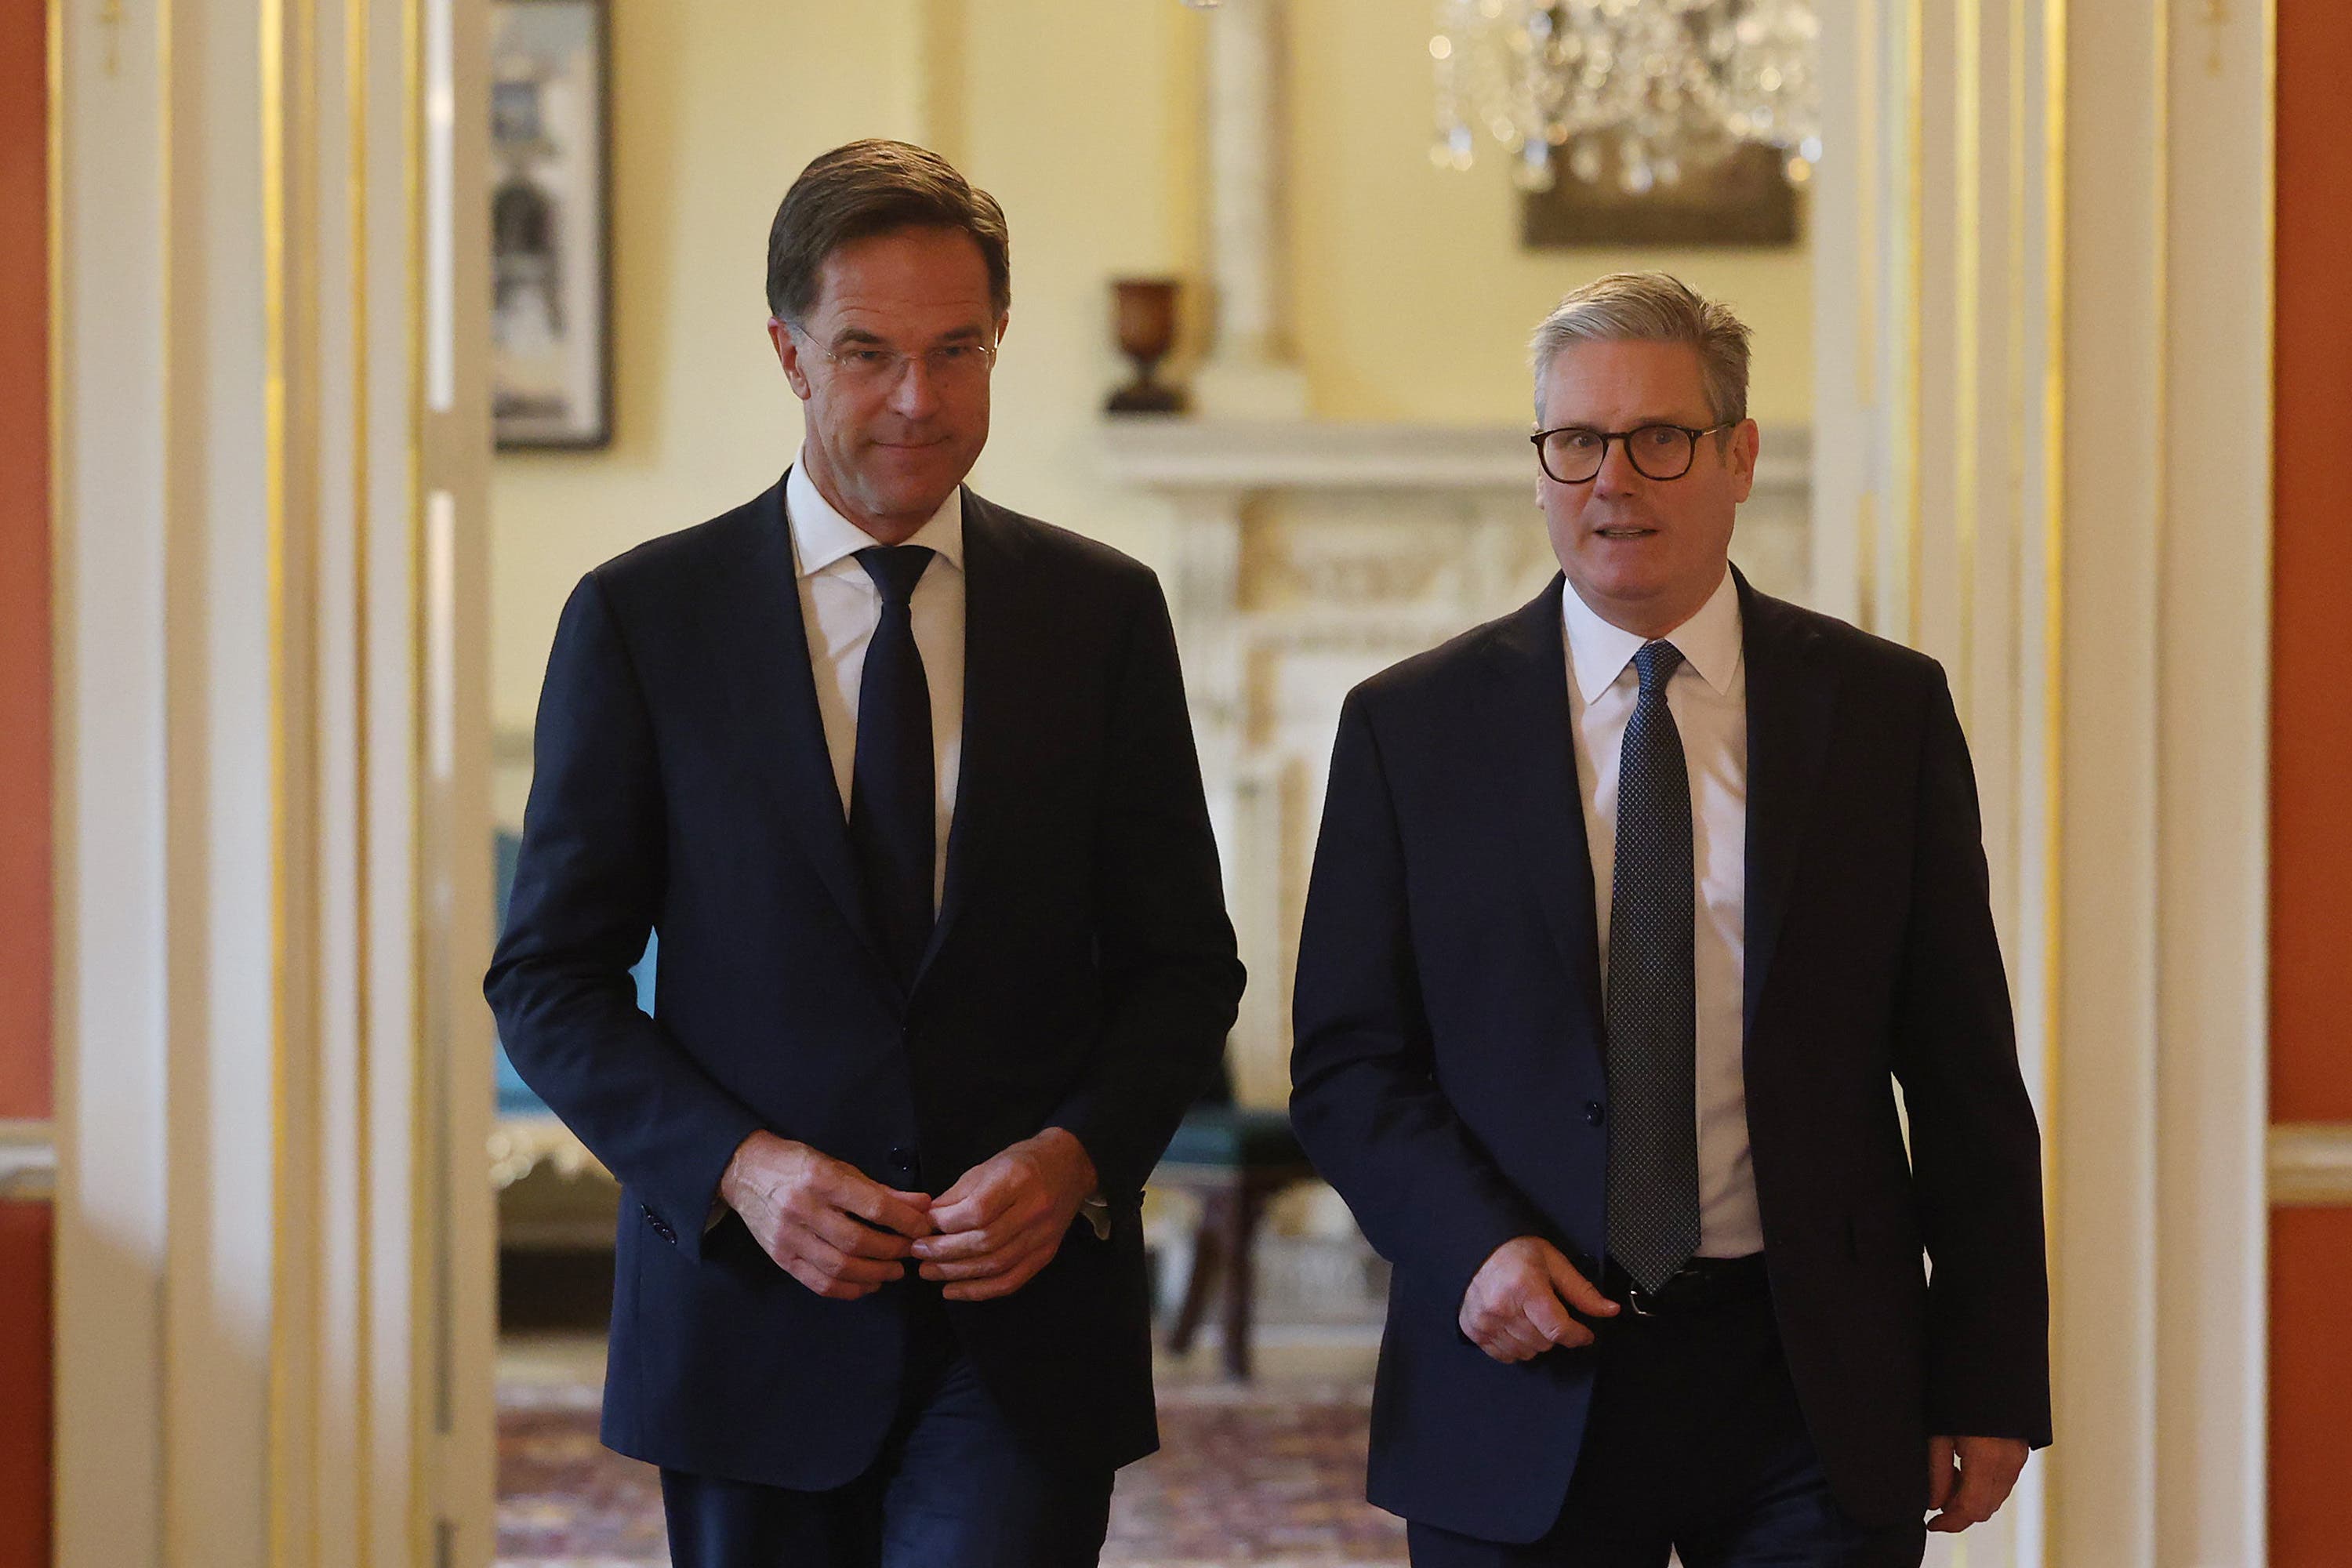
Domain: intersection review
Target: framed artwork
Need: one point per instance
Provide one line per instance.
(550, 186)
(1744, 198)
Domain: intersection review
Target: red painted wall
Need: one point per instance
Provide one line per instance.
(25, 765)
(24, 686)
(2311, 735)
(24, 1384)
(2311, 1387)
(2311, 784)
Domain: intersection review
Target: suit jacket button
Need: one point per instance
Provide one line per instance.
(901, 1157)
(1595, 1113)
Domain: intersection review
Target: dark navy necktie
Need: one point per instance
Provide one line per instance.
(893, 821)
(1652, 992)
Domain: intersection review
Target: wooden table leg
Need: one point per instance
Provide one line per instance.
(1201, 1281)
(1240, 1224)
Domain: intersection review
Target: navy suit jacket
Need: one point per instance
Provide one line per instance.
(1081, 975)
(1449, 1076)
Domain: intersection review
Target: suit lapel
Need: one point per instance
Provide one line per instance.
(1791, 696)
(1538, 749)
(759, 646)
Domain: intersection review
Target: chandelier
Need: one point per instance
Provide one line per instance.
(1642, 91)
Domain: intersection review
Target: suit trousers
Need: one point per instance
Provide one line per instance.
(1694, 1444)
(953, 1487)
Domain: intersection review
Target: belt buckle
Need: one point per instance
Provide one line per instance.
(1649, 1303)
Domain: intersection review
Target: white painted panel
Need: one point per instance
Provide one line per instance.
(2212, 1055)
(113, 1214)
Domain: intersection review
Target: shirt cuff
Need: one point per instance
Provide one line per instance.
(1095, 1211)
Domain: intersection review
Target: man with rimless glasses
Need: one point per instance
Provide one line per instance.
(905, 781)
(1631, 913)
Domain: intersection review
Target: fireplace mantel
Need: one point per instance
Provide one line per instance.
(1171, 454)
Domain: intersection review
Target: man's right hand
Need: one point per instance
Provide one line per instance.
(1517, 1306)
(823, 1222)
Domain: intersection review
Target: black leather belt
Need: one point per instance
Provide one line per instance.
(1698, 1284)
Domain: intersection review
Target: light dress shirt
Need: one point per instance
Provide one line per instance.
(840, 607)
(1707, 695)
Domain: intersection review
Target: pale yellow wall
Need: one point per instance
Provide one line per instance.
(1077, 114)
(1412, 298)
(1080, 118)
(715, 108)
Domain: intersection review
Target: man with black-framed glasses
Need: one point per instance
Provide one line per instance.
(1630, 913)
(905, 781)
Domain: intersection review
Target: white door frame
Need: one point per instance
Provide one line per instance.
(274, 1249)
(2043, 282)
(2051, 258)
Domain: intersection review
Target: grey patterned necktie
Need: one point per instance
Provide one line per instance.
(1652, 995)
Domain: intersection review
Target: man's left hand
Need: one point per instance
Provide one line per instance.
(1006, 1220)
(1969, 1477)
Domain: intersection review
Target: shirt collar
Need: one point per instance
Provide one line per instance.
(822, 536)
(1708, 641)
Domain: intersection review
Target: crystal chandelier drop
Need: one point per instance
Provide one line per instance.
(1637, 90)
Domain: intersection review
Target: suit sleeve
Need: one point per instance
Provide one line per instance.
(587, 889)
(1364, 1092)
(1975, 1146)
(1172, 981)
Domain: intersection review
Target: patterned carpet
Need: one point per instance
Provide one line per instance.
(1266, 1477)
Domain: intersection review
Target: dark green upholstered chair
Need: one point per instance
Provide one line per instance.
(1235, 1161)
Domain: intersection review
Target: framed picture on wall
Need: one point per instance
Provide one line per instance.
(550, 188)
(1742, 199)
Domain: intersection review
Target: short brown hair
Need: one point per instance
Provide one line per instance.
(1653, 307)
(874, 187)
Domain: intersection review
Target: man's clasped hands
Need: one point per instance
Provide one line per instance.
(844, 1234)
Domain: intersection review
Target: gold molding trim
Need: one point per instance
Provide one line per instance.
(425, 1404)
(2056, 64)
(1869, 216)
(2310, 1164)
(1913, 521)
(28, 1163)
(2054, 195)
(286, 1386)
(1967, 361)
(358, 60)
(298, 1367)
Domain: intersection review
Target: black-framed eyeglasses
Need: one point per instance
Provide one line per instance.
(1572, 454)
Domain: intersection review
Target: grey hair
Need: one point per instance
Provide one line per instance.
(1655, 308)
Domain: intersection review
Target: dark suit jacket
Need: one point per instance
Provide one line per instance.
(1081, 975)
(1449, 1077)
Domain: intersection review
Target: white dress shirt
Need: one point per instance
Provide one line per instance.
(840, 607)
(1707, 695)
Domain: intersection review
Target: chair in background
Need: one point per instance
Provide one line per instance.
(1235, 1162)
